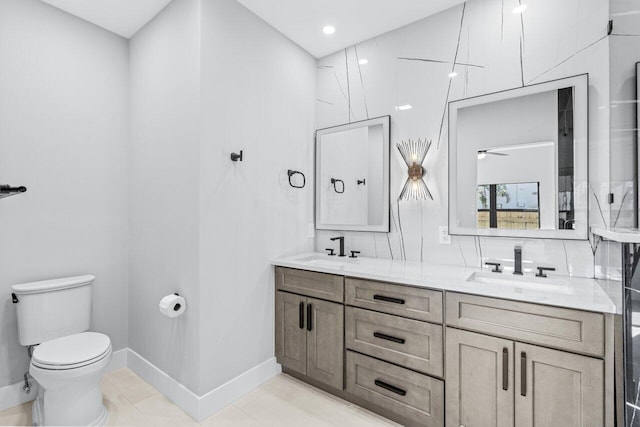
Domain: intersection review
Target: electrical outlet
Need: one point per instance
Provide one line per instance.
(311, 231)
(443, 235)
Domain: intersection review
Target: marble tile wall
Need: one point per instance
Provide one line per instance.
(491, 49)
(624, 54)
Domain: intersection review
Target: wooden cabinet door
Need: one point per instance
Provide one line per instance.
(325, 342)
(291, 332)
(555, 388)
(479, 388)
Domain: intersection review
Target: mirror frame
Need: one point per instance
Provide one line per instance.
(385, 121)
(580, 83)
(636, 201)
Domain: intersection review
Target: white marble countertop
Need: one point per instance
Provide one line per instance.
(602, 296)
(623, 235)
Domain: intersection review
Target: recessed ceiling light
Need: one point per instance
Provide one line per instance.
(520, 9)
(452, 74)
(404, 107)
(363, 61)
(329, 29)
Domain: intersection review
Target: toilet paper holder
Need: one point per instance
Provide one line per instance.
(177, 306)
(172, 305)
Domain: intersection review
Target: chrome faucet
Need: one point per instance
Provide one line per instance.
(517, 260)
(341, 244)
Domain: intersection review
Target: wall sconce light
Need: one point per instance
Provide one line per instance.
(414, 153)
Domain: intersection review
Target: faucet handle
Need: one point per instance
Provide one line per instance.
(354, 254)
(496, 266)
(331, 251)
(541, 271)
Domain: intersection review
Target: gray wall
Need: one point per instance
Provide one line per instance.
(165, 106)
(64, 134)
(209, 78)
(258, 93)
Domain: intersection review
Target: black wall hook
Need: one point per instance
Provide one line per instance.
(7, 190)
(291, 173)
(334, 181)
(235, 156)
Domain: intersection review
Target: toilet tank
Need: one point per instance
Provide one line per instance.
(52, 308)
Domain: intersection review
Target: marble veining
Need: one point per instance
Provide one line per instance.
(559, 291)
(492, 50)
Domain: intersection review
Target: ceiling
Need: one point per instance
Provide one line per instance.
(123, 17)
(355, 20)
(300, 20)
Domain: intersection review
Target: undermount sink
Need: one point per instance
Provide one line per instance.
(326, 260)
(541, 284)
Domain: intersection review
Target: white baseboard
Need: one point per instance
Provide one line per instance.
(172, 389)
(12, 395)
(198, 407)
(234, 389)
(201, 407)
(118, 360)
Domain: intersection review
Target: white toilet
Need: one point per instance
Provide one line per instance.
(68, 362)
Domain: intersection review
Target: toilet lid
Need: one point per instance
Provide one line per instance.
(72, 351)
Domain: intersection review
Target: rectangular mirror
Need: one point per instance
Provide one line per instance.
(518, 162)
(352, 176)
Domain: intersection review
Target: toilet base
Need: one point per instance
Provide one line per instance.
(38, 414)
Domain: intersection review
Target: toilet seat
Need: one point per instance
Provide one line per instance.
(72, 351)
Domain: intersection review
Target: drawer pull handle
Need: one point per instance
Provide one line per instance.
(523, 374)
(390, 387)
(301, 315)
(309, 317)
(389, 337)
(505, 368)
(388, 299)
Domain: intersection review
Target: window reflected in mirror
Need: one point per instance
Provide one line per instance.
(518, 162)
(510, 206)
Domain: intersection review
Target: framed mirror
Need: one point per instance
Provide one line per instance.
(352, 176)
(518, 162)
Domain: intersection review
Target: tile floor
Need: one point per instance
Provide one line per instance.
(283, 401)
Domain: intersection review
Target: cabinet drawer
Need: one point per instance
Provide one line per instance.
(562, 328)
(410, 343)
(415, 303)
(411, 395)
(318, 285)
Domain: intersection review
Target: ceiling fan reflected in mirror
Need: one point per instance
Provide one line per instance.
(484, 153)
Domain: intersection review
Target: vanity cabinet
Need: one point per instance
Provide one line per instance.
(479, 380)
(562, 328)
(309, 283)
(418, 399)
(406, 342)
(291, 333)
(309, 336)
(413, 303)
(395, 350)
(556, 388)
(501, 381)
(434, 358)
